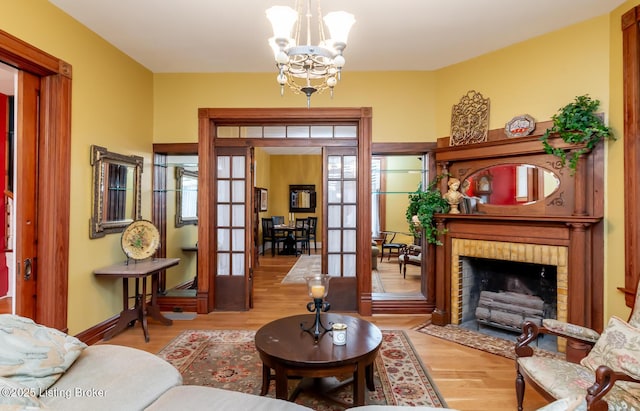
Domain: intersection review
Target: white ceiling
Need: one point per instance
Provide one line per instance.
(231, 36)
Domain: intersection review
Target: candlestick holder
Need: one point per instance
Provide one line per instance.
(318, 286)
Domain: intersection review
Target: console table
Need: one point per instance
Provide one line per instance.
(139, 270)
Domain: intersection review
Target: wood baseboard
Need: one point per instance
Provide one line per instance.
(97, 332)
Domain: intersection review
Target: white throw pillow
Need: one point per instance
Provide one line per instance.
(35, 355)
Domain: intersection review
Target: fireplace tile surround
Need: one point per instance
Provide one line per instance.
(516, 252)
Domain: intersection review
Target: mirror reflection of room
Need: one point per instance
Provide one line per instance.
(393, 178)
(181, 229)
(508, 184)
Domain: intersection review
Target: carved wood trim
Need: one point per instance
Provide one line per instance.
(577, 225)
(631, 141)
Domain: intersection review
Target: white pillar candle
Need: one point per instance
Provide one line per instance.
(317, 291)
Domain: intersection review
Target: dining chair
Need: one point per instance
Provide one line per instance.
(278, 220)
(313, 224)
(302, 234)
(389, 245)
(269, 235)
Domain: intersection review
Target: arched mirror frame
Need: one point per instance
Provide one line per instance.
(102, 160)
(564, 192)
(510, 184)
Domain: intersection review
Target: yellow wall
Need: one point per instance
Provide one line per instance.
(119, 104)
(262, 178)
(539, 76)
(398, 100)
(287, 170)
(535, 77)
(112, 98)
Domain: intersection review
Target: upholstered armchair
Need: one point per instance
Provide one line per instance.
(409, 254)
(607, 378)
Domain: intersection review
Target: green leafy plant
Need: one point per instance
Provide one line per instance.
(577, 123)
(424, 204)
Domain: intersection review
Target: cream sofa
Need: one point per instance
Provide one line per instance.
(111, 377)
(42, 368)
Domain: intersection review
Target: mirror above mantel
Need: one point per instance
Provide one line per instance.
(511, 184)
(116, 191)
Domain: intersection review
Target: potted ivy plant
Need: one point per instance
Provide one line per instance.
(577, 123)
(423, 204)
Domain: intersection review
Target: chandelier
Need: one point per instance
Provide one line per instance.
(306, 68)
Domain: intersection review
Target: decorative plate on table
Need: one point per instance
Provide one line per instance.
(140, 240)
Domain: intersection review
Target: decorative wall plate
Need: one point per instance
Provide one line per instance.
(520, 126)
(140, 240)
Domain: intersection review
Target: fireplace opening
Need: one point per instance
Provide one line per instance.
(499, 295)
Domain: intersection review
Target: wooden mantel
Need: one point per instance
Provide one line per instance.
(571, 217)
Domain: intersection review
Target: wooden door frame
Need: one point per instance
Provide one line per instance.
(54, 142)
(631, 141)
(207, 120)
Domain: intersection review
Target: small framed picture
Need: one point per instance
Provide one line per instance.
(264, 199)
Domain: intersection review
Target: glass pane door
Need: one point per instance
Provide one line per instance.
(233, 216)
(342, 186)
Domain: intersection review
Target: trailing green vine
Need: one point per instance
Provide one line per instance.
(577, 123)
(424, 204)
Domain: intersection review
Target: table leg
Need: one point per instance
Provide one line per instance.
(371, 386)
(266, 378)
(142, 313)
(153, 309)
(128, 316)
(358, 385)
(282, 384)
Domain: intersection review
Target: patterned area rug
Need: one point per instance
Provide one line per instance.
(376, 282)
(306, 265)
(312, 264)
(479, 341)
(228, 359)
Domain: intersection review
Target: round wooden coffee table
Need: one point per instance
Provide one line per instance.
(291, 352)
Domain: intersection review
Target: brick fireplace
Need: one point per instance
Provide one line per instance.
(507, 251)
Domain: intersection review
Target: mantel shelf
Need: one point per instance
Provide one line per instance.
(520, 218)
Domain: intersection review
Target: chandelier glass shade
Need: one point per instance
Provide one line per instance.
(307, 68)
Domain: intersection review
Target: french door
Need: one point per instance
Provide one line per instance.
(225, 186)
(233, 270)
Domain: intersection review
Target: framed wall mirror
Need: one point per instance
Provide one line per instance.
(116, 191)
(186, 195)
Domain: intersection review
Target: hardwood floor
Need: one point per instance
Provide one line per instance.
(6, 305)
(393, 281)
(468, 379)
